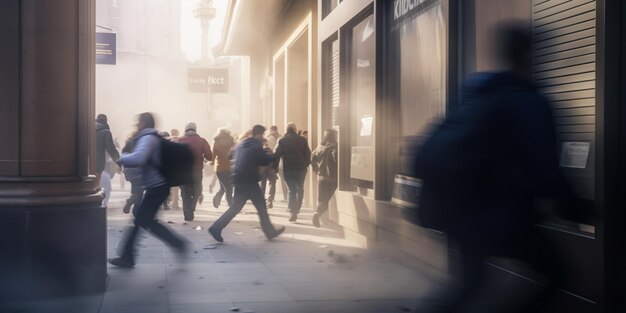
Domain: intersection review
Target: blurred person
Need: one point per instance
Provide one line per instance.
(120, 172)
(268, 176)
(272, 142)
(294, 151)
(104, 145)
(147, 156)
(482, 170)
(192, 192)
(249, 155)
(166, 203)
(133, 175)
(324, 163)
(223, 144)
(174, 191)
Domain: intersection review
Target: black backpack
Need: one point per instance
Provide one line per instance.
(177, 162)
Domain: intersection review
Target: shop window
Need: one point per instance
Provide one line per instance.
(330, 81)
(328, 6)
(362, 86)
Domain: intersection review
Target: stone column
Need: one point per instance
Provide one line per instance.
(52, 227)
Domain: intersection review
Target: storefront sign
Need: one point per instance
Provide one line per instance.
(105, 48)
(575, 154)
(406, 9)
(201, 79)
(362, 163)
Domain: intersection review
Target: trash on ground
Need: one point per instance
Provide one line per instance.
(210, 247)
(323, 246)
(238, 233)
(198, 228)
(234, 309)
(257, 283)
(170, 222)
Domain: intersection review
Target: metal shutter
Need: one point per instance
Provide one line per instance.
(334, 77)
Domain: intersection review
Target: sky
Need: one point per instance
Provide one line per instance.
(191, 31)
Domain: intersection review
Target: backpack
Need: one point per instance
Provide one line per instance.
(177, 162)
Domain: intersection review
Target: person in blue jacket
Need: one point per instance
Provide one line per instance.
(146, 155)
(249, 156)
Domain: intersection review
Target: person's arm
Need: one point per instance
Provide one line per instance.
(110, 147)
(307, 153)
(146, 146)
(315, 161)
(214, 156)
(278, 153)
(264, 157)
(206, 150)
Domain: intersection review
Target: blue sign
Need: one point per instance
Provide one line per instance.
(105, 48)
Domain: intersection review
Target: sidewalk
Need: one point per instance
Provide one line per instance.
(304, 270)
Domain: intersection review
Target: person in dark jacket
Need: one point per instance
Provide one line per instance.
(296, 156)
(133, 175)
(192, 193)
(249, 155)
(324, 163)
(504, 128)
(146, 155)
(104, 144)
(223, 143)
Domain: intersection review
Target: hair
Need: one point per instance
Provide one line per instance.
(258, 130)
(245, 135)
(330, 135)
(291, 127)
(175, 132)
(222, 132)
(147, 119)
(102, 118)
(513, 45)
(273, 128)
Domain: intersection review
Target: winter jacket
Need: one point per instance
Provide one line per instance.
(294, 151)
(131, 173)
(104, 144)
(324, 161)
(147, 155)
(199, 146)
(249, 155)
(272, 139)
(222, 147)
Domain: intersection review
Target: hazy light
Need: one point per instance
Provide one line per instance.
(191, 31)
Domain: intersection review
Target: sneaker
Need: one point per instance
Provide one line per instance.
(122, 262)
(216, 234)
(316, 220)
(127, 206)
(294, 217)
(275, 233)
(216, 202)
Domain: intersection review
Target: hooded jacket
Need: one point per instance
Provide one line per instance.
(104, 144)
(199, 146)
(147, 155)
(249, 156)
(324, 161)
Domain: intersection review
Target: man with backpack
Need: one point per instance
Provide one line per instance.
(147, 155)
(484, 166)
(192, 192)
(249, 156)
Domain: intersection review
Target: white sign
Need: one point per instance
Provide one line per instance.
(366, 126)
(575, 154)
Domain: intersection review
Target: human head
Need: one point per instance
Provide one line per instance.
(330, 136)
(273, 128)
(102, 118)
(291, 127)
(164, 134)
(513, 47)
(258, 131)
(191, 126)
(146, 120)
(222, 132)
(174, 132)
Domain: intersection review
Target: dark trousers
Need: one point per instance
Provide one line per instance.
(226, 187)
(136, 195)
(145, 218)
(190, 194)
(272, 183)
(295, 184)
(243, 193)
(326, 189)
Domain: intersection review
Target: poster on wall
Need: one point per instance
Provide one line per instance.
(575, 154)
(106, 48)
(366, 126)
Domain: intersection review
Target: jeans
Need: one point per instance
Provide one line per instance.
(295, 184)
(243, 192)
(105, 184)
(226, 187)
(190, 194)
(145, 218)
(326, 189)
(283, 185)
(272, 183)
(136, 195)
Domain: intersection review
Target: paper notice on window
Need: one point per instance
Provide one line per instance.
(575, 154)
(366, 126)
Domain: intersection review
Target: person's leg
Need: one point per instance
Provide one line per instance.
(263, 186)
(217, 199)
(175, 194)
(197, 189)
(301, 176)
(153, 199)
(105, 184)
(270, 198)
(239, 200)
(186, 192)
(326, 189)
(228, 185)
(283, 183)
(291, 179)
(258, 200)
(214, 179)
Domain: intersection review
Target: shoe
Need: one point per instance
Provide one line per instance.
(275, 233)
(188, 216)
(127, 206)
(216, 234)
(316, 220)
(270, 204)
(216, 202)
(294, 217)
(122, 262)
(200, 198)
